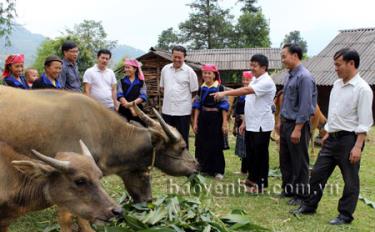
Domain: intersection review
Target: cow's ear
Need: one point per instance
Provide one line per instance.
(33, 169)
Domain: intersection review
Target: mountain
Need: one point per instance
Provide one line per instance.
(26, 42)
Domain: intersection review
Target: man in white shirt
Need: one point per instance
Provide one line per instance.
(259, 121)
(179, 83)
(100, 82)
(349, 120)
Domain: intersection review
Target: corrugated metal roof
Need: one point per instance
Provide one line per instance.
(225, 59)
(321, 66)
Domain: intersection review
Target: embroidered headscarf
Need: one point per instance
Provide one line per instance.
(212, 68)
(136, 64)
(12, 59)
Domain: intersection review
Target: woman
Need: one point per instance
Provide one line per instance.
(131, 88)
(13, 72)
(52, 70)
(239, 105)
(210, 124)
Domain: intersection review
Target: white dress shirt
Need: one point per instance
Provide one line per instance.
(350, 106)
(178, 85)
(258, 106)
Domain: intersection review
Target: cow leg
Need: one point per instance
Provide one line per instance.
(84, 225)
(65, 219)
(138, 184)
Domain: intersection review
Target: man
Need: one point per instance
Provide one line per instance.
(259, 121)
(179, 83)
(349, 120)
(299, 102)
(49, 79)
(69, 77)
(100, 82)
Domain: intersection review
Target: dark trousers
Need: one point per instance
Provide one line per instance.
(257, 156)
(182, 124)
(294, 160)
(336, 151)
(245, 165)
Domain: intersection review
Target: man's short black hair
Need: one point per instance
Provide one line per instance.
(294, 49)
(348, 54)
(67, 45)
(261, 59)
(179, 48)
(104, 51)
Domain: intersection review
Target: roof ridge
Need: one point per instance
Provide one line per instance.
(358, 29)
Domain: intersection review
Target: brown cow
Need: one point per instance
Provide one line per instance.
(52, 121)
(317, 121)
(70, 181)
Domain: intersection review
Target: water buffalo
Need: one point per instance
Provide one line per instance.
(69, 180)
(52, 121)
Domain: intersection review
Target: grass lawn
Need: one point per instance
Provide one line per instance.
(267, 210)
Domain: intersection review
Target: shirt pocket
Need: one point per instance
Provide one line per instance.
(293, 97)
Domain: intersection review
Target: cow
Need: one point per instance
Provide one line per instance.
(53, 120)
(69, 180)
(317, 121)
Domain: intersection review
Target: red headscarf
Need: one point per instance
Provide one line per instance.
(247, 75)
(12, 59)
(212, 68)
(136, 64)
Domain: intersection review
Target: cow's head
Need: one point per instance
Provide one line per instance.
(171, 154)
(72, 181)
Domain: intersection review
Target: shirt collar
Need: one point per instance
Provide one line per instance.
(295, 70)
(255, 79)
(183, 67)
(99, 70)
(215, 84)
(68, 62)
(353, 81)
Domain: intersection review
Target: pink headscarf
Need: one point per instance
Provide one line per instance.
(247, 75)
(12, 59)
(136, 64)
(212, 68)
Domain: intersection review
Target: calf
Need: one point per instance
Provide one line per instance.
(70, 181)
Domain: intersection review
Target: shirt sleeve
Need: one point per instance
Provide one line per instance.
(62, 78)
(364, 110)
(305, 93)
(143, 92)
(162, 78)
(120, 93)
(114, 80)
(262, 88)
(193, 81)
(87, 77)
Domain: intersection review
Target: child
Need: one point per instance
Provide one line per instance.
(239, 105)
(31, 75)
(13, 71)
(131, 88)
(210, 124)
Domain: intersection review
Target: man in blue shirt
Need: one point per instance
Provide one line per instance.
(299, 103)
(69, 77)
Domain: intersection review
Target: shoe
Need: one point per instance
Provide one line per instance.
(340, 220)
(303, 210)
(219, 176)
(295, 201)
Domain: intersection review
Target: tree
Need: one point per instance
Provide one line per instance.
(89, 35)
(249, 6)
(294, 37)
(167, 39)
(252, 30)
(208, 26)
(7, 14)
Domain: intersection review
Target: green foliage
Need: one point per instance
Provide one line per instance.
(167, 39)
(294, 37)
(7, 14)
(89, 36)
(248, 6)
(208, 26)
(252, 30)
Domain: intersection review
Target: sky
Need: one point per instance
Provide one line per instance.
(138, 23)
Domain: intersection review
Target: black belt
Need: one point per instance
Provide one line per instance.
(340, 134)
(285, 120)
